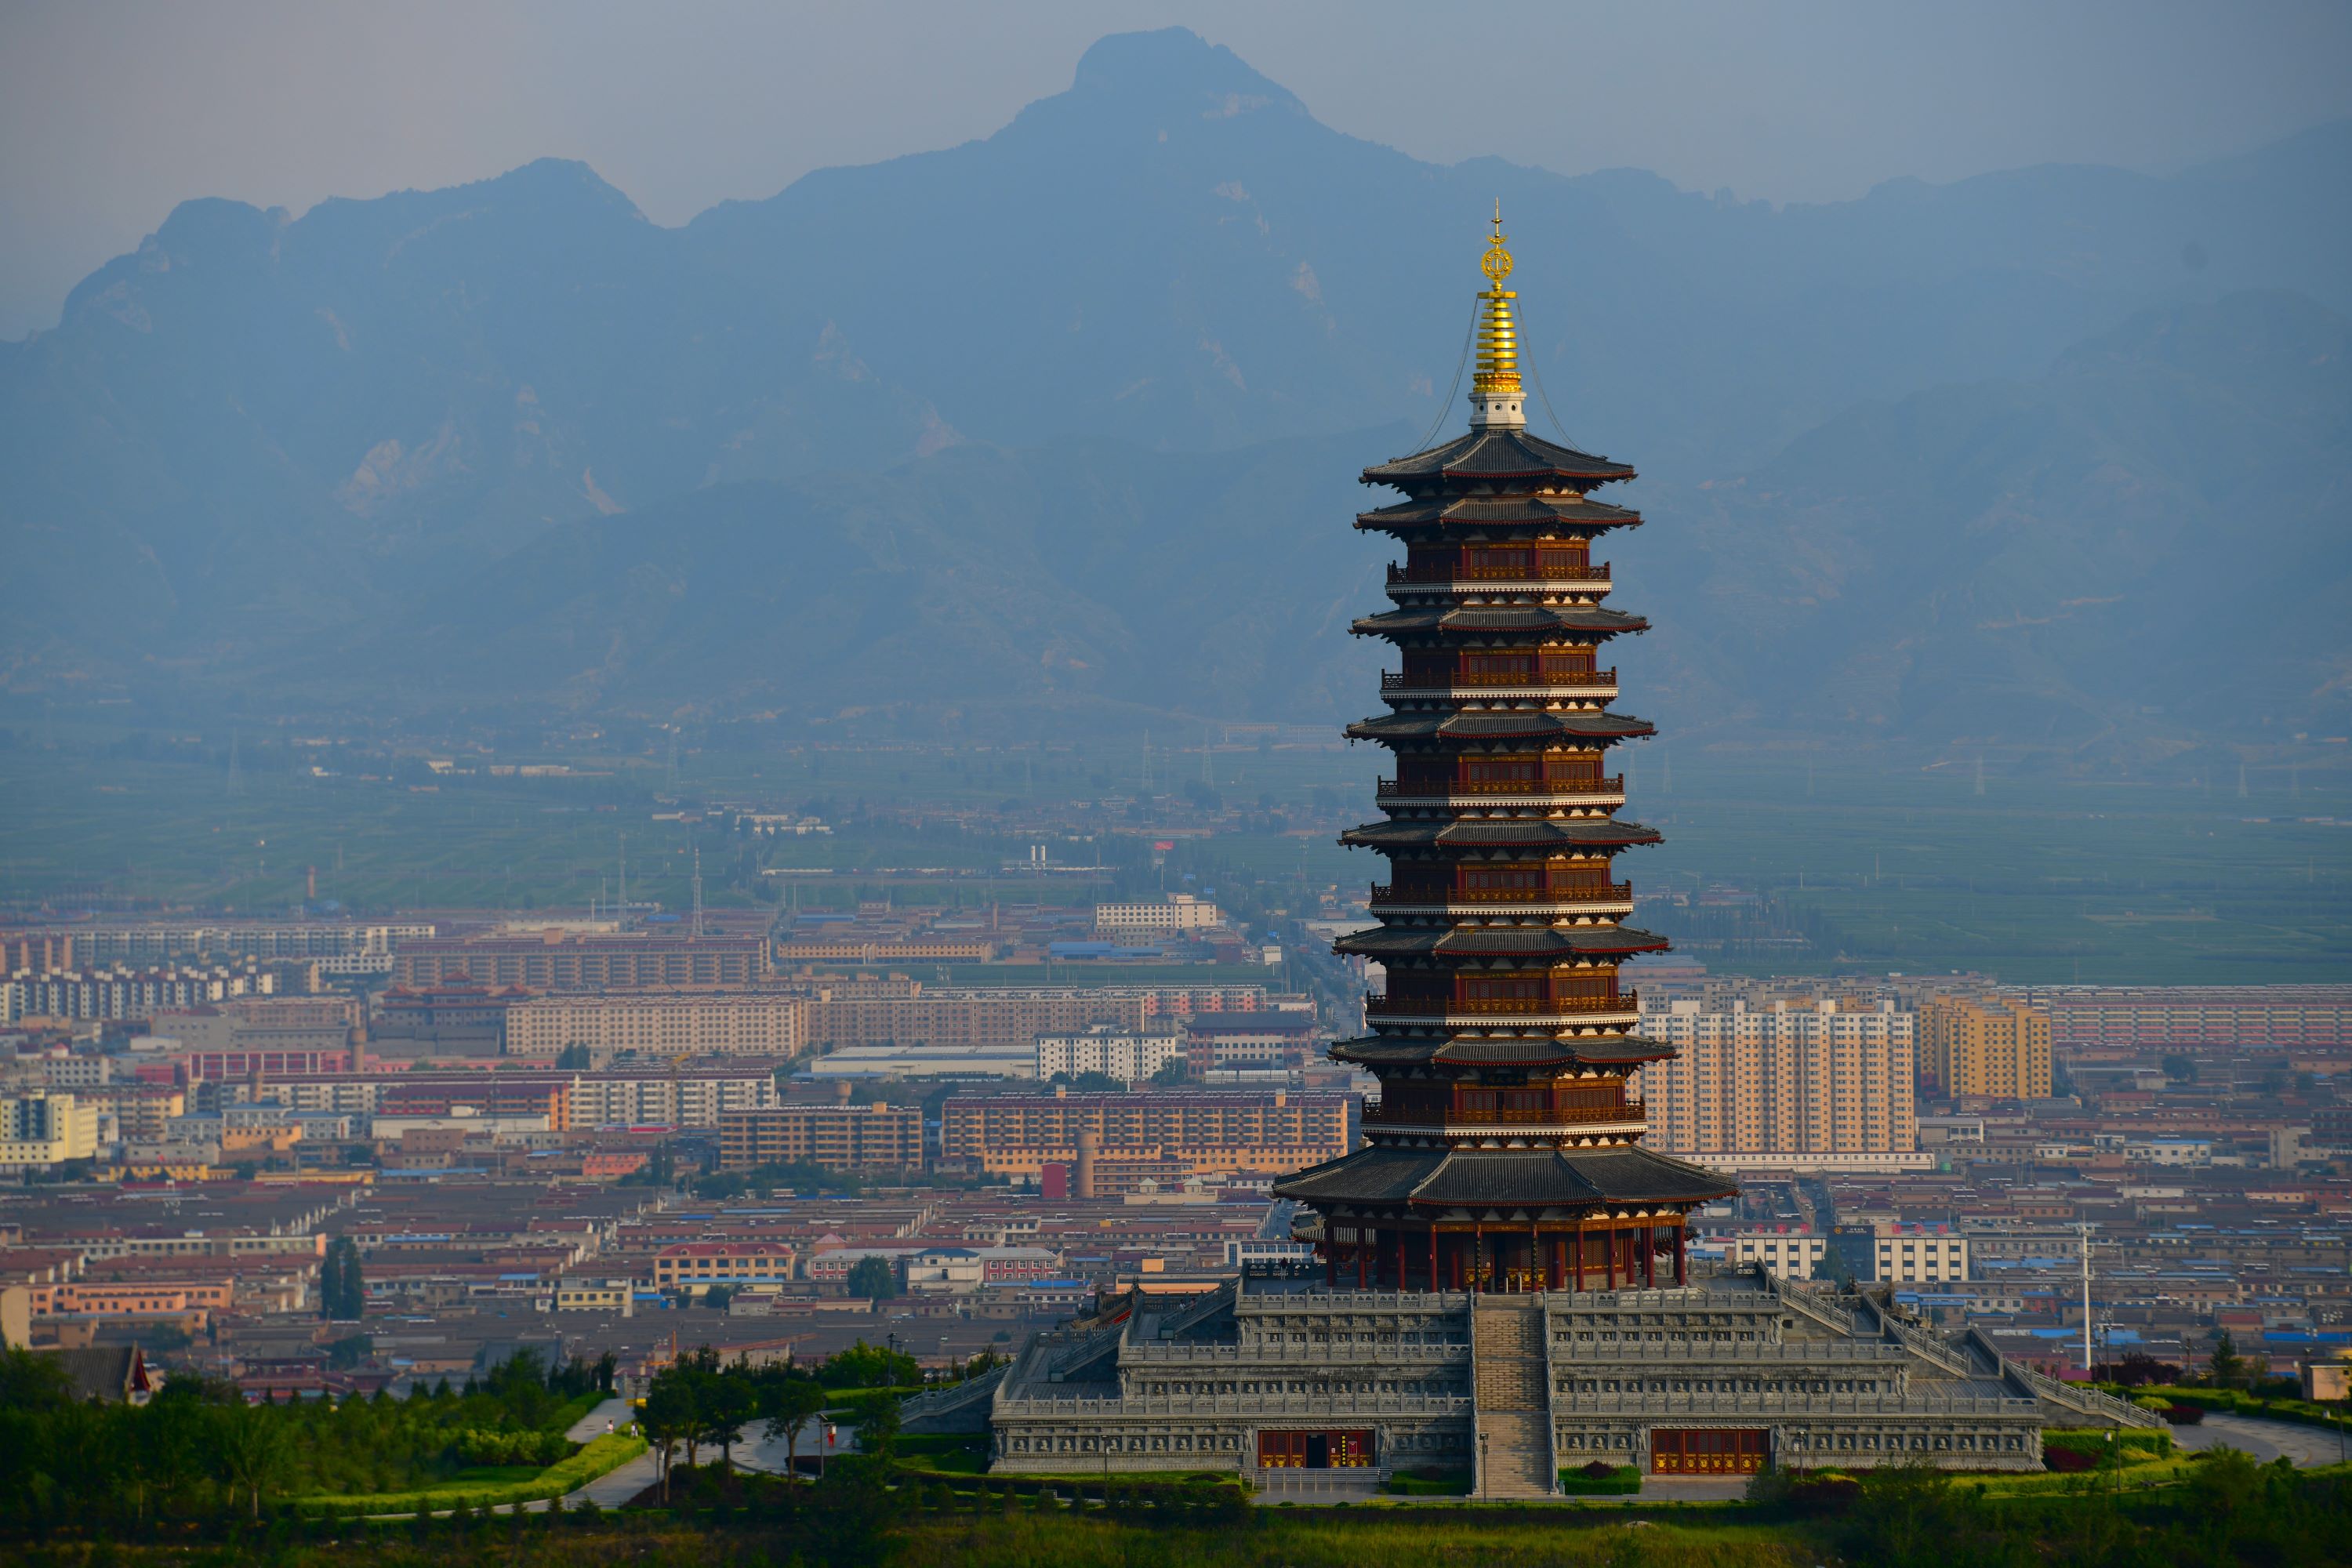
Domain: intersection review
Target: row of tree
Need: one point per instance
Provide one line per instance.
(700, 1402)
(198, 1448)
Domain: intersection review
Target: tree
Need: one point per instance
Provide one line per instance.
(873, 1277)
(343, 1289)
(2179, 1068)
(668, 1418)
(730, 1401)
(877, 1429)
(789, 1401)
(1175, 1075)
(573, 1058)
(718, 1296)
(2227, 1366)
(251, 1444)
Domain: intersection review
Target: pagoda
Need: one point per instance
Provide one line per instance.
(1504, 1153)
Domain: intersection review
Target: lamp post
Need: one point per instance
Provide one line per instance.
(1482, 1464)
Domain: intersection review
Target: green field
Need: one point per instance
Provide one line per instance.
(1866, 866)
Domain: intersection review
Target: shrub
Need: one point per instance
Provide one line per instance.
(2184, 1415)
(2068, 1461)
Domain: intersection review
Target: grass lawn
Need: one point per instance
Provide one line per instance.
(1323, 1539)
(502, 1483)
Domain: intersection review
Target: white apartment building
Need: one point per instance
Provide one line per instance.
(1181, 912)
(1917, 1254)
(1790, 1086)
(1793, 1255)
(959, 1060)
(1114, 1053)
(689, 1100)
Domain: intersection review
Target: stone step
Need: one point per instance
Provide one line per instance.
(1516, 1455)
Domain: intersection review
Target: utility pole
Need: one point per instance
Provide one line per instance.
(697, 927)
(625, 882)
(2086, 1300)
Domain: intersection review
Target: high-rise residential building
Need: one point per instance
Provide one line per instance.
(1788, 1087)
(1996, 1048)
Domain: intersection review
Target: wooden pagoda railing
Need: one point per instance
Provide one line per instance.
(1451, 571)
(1574, 679)
(1379, 1005)
(1378, 1114)
(1571, 893)
(1386, 789)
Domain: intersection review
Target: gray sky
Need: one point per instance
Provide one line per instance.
(110, 112)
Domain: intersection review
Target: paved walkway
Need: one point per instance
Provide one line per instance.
(615, 1411)
(2264, 1438)
(1693, 1488)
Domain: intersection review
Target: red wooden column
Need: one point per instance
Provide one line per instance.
(1536, 1269)
(1435, 1283)
(1578, 1239)
(1682, 1273)
(1330, 1256)
(1477, 1256)
(1648, 1245)
(1399, 1240)
(1612, 1257)
(1363, 1256)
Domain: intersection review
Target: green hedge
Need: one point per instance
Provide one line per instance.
(1624, 1478)
(2237, 1402)
(1453, 1483)
(2154, 1441)
(598, 1458)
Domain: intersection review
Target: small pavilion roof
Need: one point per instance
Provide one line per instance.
(1497, 512)
(1514, 1178)
(1591, 620)
(1496, 454)
(1501, 833)
(1531, 724)
(1500, 942)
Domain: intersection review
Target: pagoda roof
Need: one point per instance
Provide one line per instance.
(1532, 725)
(1499, 942)
(1588, 618)
(1501, 833)
(1514, 1178)
(1500, 1050)
(1480, 512)
(1497, 454)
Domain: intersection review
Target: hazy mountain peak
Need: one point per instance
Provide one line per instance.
(1175, 67)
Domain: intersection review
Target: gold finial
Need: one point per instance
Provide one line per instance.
(1498, 334)
(1496, 263)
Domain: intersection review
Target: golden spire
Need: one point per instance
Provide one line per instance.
(1494, 387)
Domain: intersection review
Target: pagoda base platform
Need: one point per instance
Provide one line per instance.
(1714, 1377)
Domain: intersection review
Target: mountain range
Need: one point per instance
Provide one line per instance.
(1060, 428)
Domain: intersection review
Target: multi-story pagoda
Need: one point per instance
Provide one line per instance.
(1492, 1303)
(1504, 1153)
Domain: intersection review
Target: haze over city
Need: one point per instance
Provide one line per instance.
(867, 783)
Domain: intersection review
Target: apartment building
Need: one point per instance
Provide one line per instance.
(586, 961)
(831, 1137)
(1919, 1255)
(1991, 1047)
(1185, 1133)
(1819, 1086)
(699, 1264)
(1789, 1254)
(1126, 1055)
(1180, 914)
(38, 1130)
(904, 1013)
(750, 1023)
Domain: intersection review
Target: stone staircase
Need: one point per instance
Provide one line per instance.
(1511, 1385)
